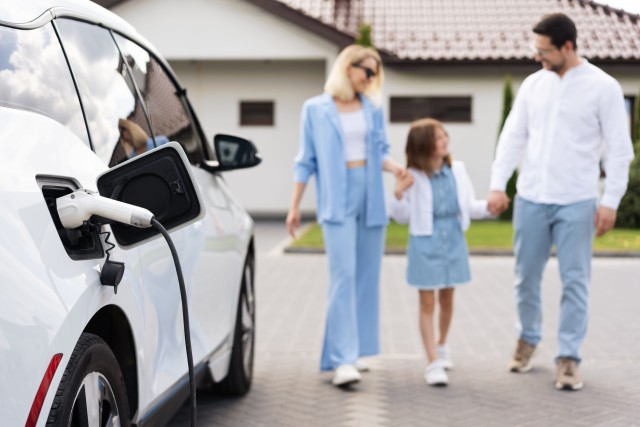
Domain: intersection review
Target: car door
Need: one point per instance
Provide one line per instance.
(131, 106)
(213, 249)
(50, 278)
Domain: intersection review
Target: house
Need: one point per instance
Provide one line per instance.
(250, 64)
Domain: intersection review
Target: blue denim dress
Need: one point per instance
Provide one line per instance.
(442, 259)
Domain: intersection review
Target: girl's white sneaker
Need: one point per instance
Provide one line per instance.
(444, 356)
(435, 374)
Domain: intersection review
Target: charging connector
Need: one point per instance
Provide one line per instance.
(76, 208)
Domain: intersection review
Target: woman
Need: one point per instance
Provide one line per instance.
(343, 142)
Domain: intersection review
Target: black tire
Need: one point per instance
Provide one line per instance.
(238, 380)
(94, 369)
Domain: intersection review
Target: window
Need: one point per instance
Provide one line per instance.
(116, 119)
(168, 115)
(34, 76)
(405, 109)
(256, 113)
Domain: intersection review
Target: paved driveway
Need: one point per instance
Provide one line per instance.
(288, 389)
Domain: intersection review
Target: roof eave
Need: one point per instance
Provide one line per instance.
(328, 32)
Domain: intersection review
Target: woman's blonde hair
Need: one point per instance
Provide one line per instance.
(338, 84)
(421, 143)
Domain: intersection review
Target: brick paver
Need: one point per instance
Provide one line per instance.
(289, 390)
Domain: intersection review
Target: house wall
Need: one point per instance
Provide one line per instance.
(220, 30)
(216, 88)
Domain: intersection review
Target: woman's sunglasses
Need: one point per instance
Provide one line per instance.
(368, 71)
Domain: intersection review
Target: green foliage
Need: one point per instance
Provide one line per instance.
(507, 100)
(629, 209)
(364, 35)
(482, 235)
(507, 103)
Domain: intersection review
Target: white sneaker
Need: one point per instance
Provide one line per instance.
(362, 365)
(444, 355)
(345, 375)
(435, 374)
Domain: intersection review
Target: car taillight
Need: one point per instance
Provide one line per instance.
(42, 390)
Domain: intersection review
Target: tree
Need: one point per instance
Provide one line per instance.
(507, 103)
(629, 209)
(364, 35)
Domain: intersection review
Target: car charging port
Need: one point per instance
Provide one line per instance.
(81, 243)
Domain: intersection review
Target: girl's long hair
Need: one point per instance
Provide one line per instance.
(421, 144)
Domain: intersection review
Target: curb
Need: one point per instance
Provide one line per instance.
(473, 252)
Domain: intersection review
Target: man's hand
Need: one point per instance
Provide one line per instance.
(605, 220)
(497, 202)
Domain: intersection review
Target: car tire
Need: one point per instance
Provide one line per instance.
(240, 375)
(92, 390)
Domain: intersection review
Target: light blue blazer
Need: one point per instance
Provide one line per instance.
(322, 153)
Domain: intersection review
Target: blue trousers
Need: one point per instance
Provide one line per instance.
(570, 228)
(354, 252)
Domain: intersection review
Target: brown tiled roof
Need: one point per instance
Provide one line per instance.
(468, 30)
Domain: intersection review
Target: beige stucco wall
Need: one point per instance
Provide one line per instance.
(216, 89)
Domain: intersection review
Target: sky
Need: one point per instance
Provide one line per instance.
(632, 6)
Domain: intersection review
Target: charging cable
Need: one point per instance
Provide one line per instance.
(77, 208)
(185, 315)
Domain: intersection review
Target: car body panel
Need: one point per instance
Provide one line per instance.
(49, 299)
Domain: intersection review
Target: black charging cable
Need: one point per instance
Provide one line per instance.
(185, 316)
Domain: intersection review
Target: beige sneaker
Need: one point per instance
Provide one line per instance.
(567, 377)
(521, 360)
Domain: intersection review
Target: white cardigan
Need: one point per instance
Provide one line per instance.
(416, 205)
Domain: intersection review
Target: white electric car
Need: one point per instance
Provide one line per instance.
(82, 94)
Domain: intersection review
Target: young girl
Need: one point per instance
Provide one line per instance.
(437, 199)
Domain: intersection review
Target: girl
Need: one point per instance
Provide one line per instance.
(437, 199)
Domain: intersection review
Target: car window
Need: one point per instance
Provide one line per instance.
(169, 118)
(116, 118)
(34, 76)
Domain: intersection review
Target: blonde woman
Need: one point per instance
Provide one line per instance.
(343, 143)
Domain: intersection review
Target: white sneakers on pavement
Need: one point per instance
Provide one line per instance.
(435, 375)
(362, 365)
(444, 356)
(345, 375)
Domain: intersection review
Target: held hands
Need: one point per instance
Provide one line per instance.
(497, 202)
(403, 181)
(605, 220)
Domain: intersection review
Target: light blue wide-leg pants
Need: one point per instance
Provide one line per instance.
(570, 228)
(354, 253)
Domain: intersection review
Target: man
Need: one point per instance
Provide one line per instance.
(562, 120)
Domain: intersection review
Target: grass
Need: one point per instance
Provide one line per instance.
(484, 235)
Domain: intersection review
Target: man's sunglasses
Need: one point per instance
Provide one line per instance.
(368, 71)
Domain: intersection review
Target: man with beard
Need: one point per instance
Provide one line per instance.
(564, 118)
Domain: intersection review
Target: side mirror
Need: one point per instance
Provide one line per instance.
(159, 180)
(233, 152)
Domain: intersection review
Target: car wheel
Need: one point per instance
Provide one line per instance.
(92, 391)
(238, 380)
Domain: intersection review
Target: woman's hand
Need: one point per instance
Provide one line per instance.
(402, 183)
(293, 220)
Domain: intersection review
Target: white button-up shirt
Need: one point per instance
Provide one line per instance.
(563, 126)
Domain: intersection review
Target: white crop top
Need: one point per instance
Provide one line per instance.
(354, 130)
